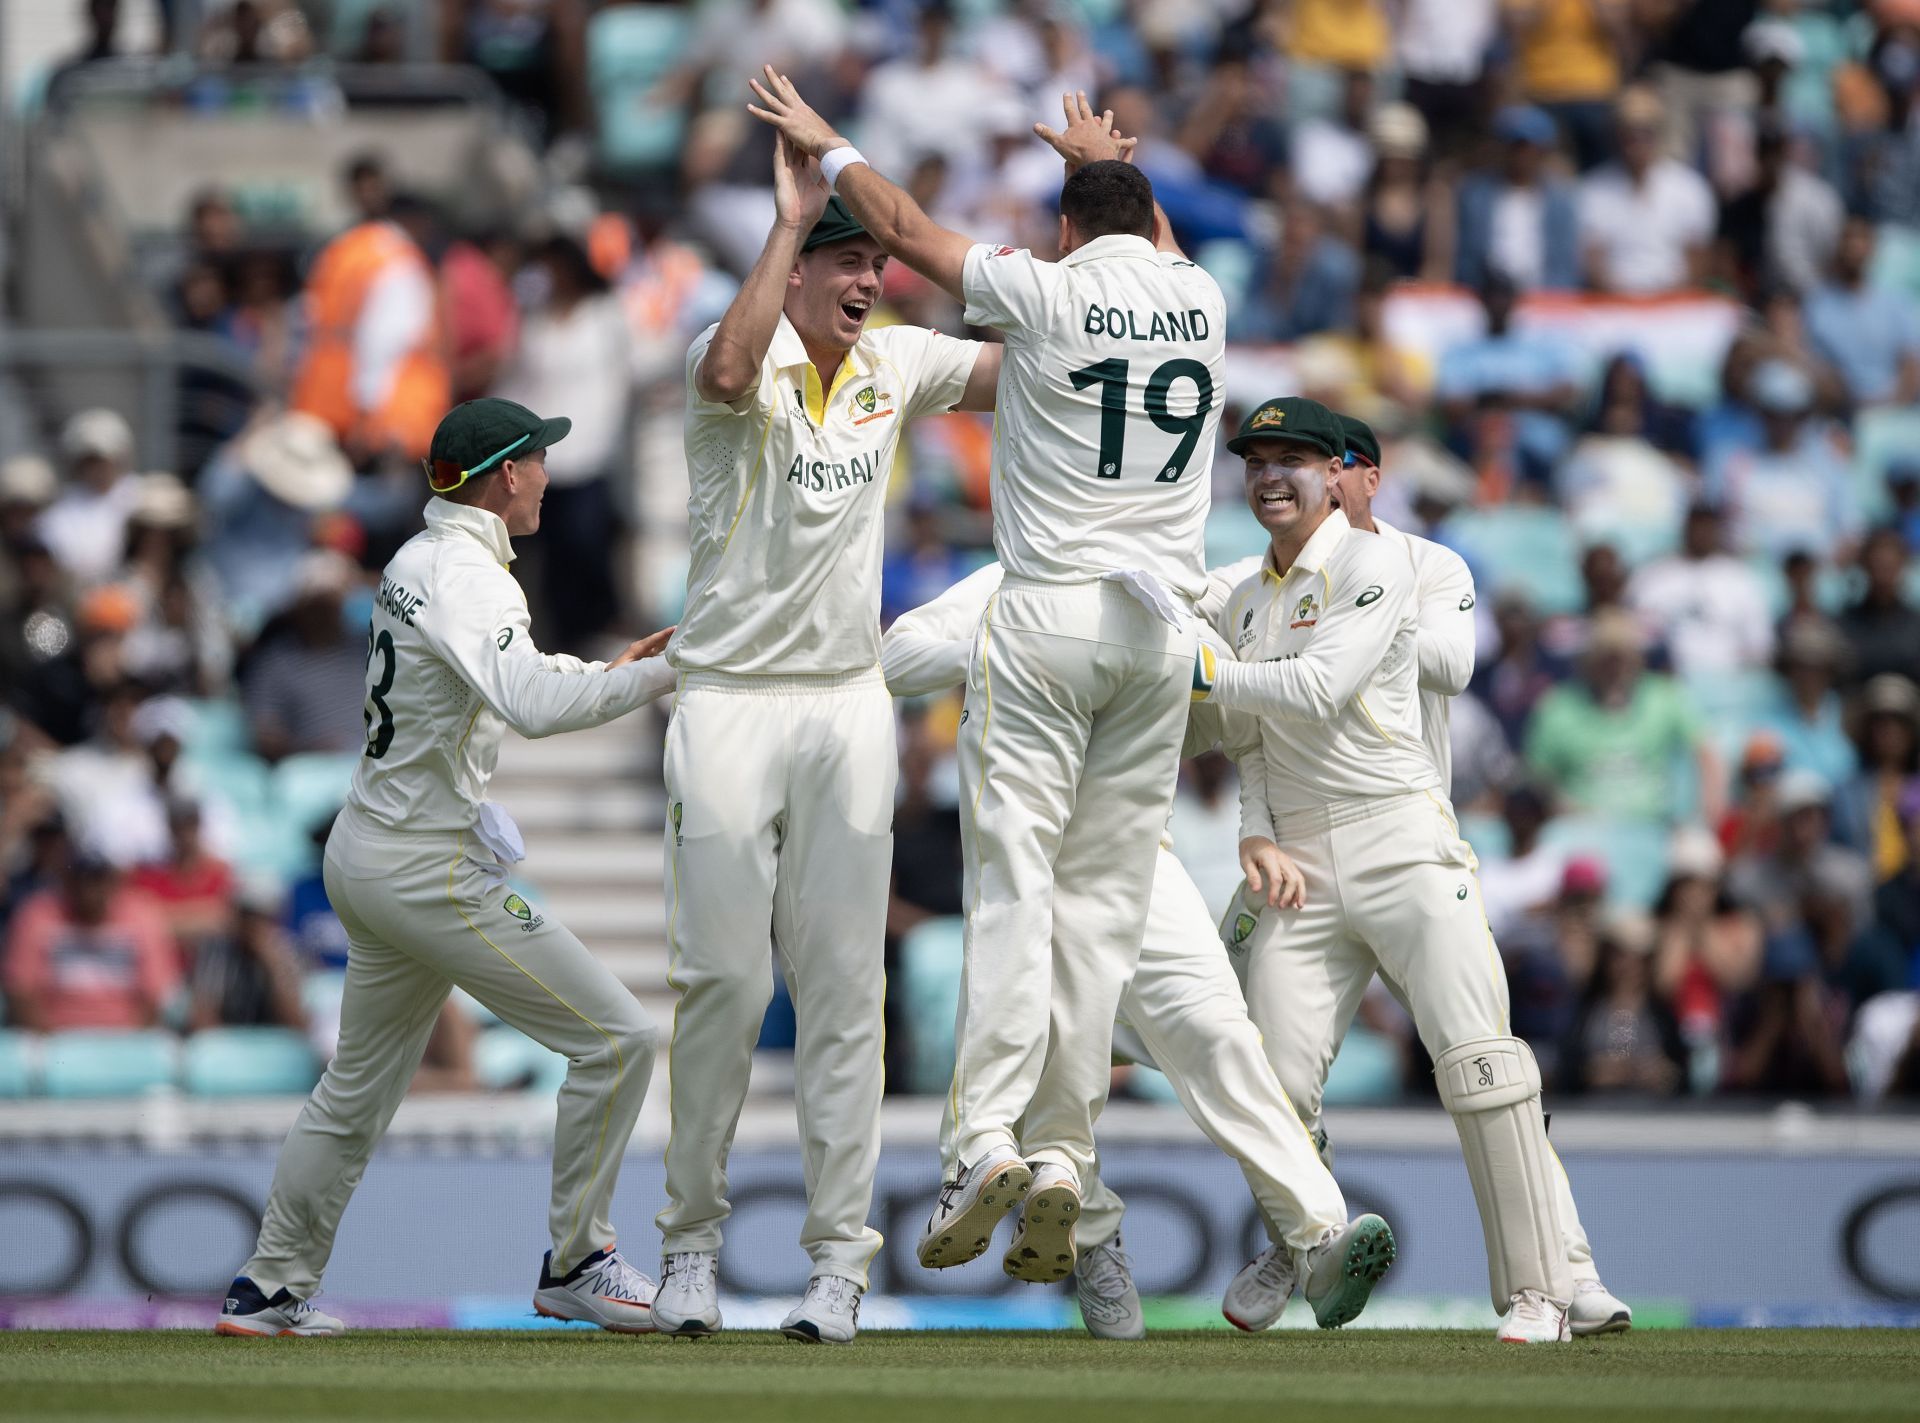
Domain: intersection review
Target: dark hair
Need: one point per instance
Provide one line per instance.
(570, 256)
(1108, 197)
(365, 164)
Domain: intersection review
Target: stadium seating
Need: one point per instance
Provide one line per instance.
(248, 1062)
(630, 49)
(927, 979)
(505, 1059)
(1521, 549)
(1634, 852)
(108, 1064)
(16, 1064)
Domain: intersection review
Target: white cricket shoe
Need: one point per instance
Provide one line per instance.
(687, 1304)
(1042, 1249)
(1595, 1311)
(1109, 1304)
(961, 1226)
(602, 1289)
(250, 1314)
(829, 1312)
(1534, 1319)
(1258, 1295)
(1342, 1270)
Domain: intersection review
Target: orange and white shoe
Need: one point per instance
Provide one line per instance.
(1532, 1318)
(250, 1314)
(602, 1289)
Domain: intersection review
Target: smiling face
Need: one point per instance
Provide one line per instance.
(1289, 486)
(1354, 489)
(832, 291)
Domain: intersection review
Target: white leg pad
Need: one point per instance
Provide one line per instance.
(1491, 1087)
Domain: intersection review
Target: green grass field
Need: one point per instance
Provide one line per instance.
(958, 1378)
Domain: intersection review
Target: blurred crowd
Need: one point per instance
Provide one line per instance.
(1502, 231)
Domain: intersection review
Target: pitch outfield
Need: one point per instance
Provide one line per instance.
(957, 1378)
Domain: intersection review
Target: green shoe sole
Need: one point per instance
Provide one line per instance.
(1369, 1253)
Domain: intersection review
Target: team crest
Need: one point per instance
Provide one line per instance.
(865, 399)
(1267, 419)
(519, 908)
(1242, 927)
(1305, 615)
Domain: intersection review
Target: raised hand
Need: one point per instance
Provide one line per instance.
(799, 192)
(781, 105)
(1088, 137)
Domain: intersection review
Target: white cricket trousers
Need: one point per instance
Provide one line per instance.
(1183, 1013)
(1077, 700)
(422, 913)
(779, 830)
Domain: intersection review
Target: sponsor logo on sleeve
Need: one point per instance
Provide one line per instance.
(1371, 595)
(1466, 602)
(502, 638)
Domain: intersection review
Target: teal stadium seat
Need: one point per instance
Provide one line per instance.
(216, 726)
(630, 48)
(928, 981)
(1366, 1071)
(1896, 259)
(107, 1064)
(1731, 705)
(249, 1062)
(308, 789)
(1231, 263)
(1487, 834)
(16, 1064)
(1521, 550)
(1634, 852)
(1879, 437)
(1233, 534)
(505, 1059)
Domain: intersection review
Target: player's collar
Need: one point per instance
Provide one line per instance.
(1318, 550)
(1114, 244)
(787, 349)
(481, 525)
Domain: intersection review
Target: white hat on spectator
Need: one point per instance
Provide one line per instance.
(162, 500)
(1780, 387)
(28, 479)
(1694, 853)
(1398, 131)
(260, 892)
(99, 433)
(159, 717)
(1629, 929)
(295, 458)
(1773, 39)
(1802, 790)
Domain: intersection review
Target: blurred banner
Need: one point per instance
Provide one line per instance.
(1762, 1221)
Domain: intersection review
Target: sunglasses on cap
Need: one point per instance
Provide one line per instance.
(1353, 457)
(445, 475)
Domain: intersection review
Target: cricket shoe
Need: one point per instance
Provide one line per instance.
(1342, 1270)
(1042, 1249)
(602, 1289)
(828, 1313)
(1109, 1304)
(1257, 1296)
(1595, 1311)
(249, 1314)
(961, 1226)
(1532, 1318)
(687, 1304)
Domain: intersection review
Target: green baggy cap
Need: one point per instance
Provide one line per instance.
(836, 224)
(476, 435)
(1292, 417)
(1361, 440)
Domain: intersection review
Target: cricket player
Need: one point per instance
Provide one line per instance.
(1444, 599)
(1326, 636)
(1182, 1011)
(1077, 690)
(780, 758)
(416, 868)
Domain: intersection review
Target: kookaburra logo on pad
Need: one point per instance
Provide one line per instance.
(1485, 1069)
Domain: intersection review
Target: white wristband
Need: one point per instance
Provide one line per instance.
(833, 164)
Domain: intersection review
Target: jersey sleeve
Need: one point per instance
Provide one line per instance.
(935, 368)
(1366, 608)
(1445, 642)
(1008, 289)
(927, 650)
(1256, 811)
(477, 623)
(701, 408)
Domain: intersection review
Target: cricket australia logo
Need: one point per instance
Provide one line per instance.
(1267, 419)
(521, 910)
(865, 399)
(1305, 615)
(1242, 930)
(1485, 1069)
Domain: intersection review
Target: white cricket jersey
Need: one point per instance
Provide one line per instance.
(451, 665)
(1327, 664)
(1443, 602)
(787, 505)
(1110, 397)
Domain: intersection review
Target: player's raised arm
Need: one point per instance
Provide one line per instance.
(731, 367)
(883, 208)
(1092, 138)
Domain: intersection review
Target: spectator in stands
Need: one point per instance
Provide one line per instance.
(1624, 1039)
(86, 527)
(1882, 629)
(1331, 155)
(1870, 333)
(1794, 491)
(92, 953)
(1525, 878)
(1707, 951)
(1441, 48)
(1626, 405)
(1708, 607)
(1611, 741)
(1615, 485)
(1701, 67)
(106, 784)
(1866, 809)
(534, 53)
(483, 320)
(931, 101)
(1523, 219)
(1232, 131)
(1549, 954)
(192, 887)
(102, 43)
(27, 810)
(1522, 671)
(317, 935)
(1806, 715)
(1407, 217)
(925, 564)
(1893, 932)
(1646, 220)
(27, 486)
(1783, 230)
(304, 684)
(372, 368)
(1568, 55)
(927, 865)
(575, 352)
(1507, 394)
(43, 646)
(248, 976)
(180, 643)
(1307, 284)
